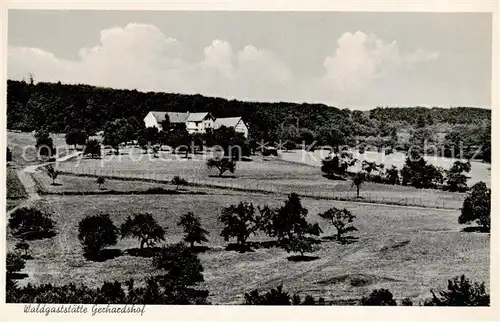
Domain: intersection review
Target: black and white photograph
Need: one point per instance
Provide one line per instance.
(197, 157)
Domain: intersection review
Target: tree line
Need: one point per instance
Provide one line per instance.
(62, 108)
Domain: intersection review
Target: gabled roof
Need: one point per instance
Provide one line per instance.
(197, 117)
(227, 122)
(174, 117)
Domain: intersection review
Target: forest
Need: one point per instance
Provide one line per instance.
(59, 108)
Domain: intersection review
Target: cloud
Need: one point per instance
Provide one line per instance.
(362, 60)
(141, 56)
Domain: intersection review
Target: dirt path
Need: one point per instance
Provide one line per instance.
(29, 184)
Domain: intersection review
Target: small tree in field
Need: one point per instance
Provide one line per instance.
(76, 137)
(95, 233)
(288, 223)
(358, 180)
(391, 175)
(341, 220)
(52, 172)
(222, 164)
(239, 222)
(456, 180)
(477, 206)
(93, 148)
(100, 181)
(143, 227)
(193, 232)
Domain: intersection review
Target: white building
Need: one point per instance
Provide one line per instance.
(195, 122)
(235, 122)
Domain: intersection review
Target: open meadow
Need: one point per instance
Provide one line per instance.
(262, 174)
(406, 250)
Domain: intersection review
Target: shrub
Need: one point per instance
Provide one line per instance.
(380, 297)
(407, 302)
(461, 292)
(14, 263)
(279, 297)
(100, 181)
(23, 248)
(31, 223)
(95, 233)
(178, 181)
(182, 267)
(222, 164)
(143, 227)
(9, 155)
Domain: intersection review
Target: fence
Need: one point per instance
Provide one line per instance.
(261, 187)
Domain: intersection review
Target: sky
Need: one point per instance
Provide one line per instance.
(358, 60)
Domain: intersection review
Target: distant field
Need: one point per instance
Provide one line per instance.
(262, 173)
(405, 250)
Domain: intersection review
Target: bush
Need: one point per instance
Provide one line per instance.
(14, 263)
(183, 268)
(31, 223)
(100, 181)
(407, 302)
(222, 164)
(461, 292)
(279, 297)
(23, 248)
(9, 155)
(95, 233)
(380, 297)
(178, 181)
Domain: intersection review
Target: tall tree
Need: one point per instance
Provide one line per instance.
(239, 222)
(143, 227)
(193, 232)
(289, 224)
(477, 206)
(341, 219)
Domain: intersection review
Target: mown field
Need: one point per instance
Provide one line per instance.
(406, 250)
(261, 173)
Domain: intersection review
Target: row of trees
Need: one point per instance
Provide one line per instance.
(288, 224)
(416, 172)
(97, 232)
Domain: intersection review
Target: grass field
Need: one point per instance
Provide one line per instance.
(405, 250)
(22, 146)
(262, 173)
